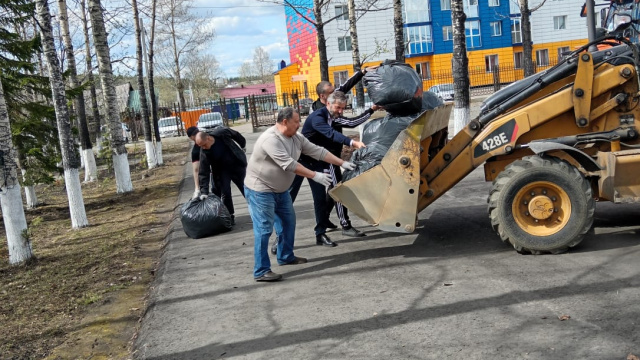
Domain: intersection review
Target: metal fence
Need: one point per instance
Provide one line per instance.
(262, 110)
(484, 82)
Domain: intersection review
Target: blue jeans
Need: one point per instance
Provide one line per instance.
(266, 208)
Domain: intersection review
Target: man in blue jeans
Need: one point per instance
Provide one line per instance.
(270, 172)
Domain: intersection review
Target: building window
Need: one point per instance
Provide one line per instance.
(542, 57)
(418, 39)
(516, 32)
(340, 77)
(344, 43)
(470, 8)
(415, 11)
(518, 60)
(342, 12)
(445, 4)
(490, 62)
(472, 32)
(496, 28)
(563, 52)
(424, 70)
(447, 33)
(493, 3)
(560, 22)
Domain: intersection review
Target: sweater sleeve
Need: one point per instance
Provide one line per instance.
(312, 150)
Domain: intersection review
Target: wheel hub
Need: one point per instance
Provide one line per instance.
(540, 207)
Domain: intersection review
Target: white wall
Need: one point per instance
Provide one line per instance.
(372, 27)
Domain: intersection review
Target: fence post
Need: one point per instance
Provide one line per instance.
(223, 109)
(496, 78)
(246, 109)
(252, 111)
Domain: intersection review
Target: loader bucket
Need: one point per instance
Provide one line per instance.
(387, 195)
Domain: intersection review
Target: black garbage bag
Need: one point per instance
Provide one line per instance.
(395, 86)
(379, 134)
(202, 218)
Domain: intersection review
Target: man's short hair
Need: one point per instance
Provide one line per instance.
(337, 96)
(202, 136)
(285, 113)
(322, 87)
(192, 131)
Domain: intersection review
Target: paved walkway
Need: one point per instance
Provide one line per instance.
(451, 290)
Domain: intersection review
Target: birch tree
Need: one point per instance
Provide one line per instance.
(90, 168)
(152, 90)
(89, 74)
(398, 30)
(202, 71)
(144, 110)
(15, 222)
(262, 64)
(527, 42)
(355, 50)
(183, 33)
(119, 151)
(70, 161)
(301, 8)
(460, 62)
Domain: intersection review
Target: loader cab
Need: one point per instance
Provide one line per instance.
(622, 16)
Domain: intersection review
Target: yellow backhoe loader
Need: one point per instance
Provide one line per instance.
(553, 144)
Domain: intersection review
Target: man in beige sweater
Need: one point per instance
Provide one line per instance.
(270, 172)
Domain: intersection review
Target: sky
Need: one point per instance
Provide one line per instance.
(240, 27)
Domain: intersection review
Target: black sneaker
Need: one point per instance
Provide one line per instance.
(352, 232)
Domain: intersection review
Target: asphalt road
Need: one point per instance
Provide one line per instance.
(451, 290)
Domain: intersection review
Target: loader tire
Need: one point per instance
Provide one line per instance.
(541, 205)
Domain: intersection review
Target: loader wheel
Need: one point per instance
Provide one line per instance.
(541, 204)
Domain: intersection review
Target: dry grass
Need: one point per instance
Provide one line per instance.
(83, 294)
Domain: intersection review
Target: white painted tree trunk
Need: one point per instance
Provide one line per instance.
(76, 202)
(70, 161)
(461, 117)
(159, 153)
(90, 168)
(151, 154)
(30, 194)
(123, 176)
(15, 224)
(119, 151)
(99, 142)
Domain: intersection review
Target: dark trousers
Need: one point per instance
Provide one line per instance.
(221, 186)
(235, 175)
(322, 203)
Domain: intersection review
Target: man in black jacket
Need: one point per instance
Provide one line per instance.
(222, 155)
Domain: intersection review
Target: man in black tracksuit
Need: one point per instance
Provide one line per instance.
(324, 89)
(222, 155)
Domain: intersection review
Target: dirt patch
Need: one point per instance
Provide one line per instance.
(83, 294)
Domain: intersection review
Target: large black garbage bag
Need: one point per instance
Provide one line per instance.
(379, 134)
(395, 86)
(202, 218)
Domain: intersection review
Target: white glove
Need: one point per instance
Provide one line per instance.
(322, 178)
(203, 196)
(348, 165)
(196, 194)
